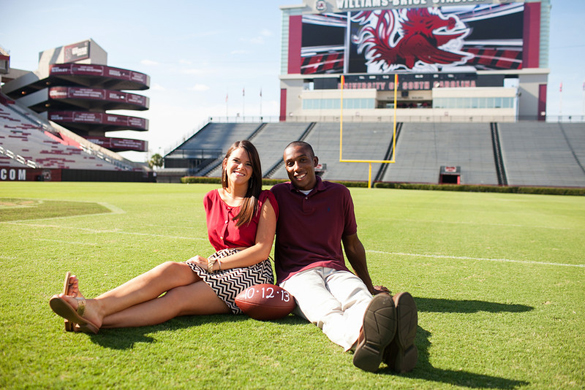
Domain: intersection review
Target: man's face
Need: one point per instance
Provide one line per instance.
(300, 165)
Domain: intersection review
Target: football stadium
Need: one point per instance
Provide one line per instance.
(454, 94)
(432, 112)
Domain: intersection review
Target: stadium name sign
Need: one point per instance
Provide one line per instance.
(410, 85)
(12, 174)
(414, 82)
(344, 5)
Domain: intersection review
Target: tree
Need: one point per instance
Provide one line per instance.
(155, 161)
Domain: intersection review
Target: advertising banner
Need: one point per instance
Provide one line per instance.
(76, 52)
(98, 70)
(98, 94)
(98, 118)
(28, 174)
(119, 144)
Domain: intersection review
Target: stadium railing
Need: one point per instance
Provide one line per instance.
(422, 117)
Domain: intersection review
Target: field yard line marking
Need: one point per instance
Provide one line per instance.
(113, 209)
(482, 224)
(65, 242)
(478, 258)
(160, 235)
(115, 231)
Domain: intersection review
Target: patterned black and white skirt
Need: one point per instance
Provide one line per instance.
(230, 282)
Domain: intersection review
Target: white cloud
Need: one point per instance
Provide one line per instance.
(157, 87)
(199, 87)
(257, 41)
(192, 71)
(149, 63)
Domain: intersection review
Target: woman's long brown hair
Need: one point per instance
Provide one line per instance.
(250, 204)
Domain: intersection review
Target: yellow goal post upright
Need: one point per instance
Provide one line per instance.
(392, 161)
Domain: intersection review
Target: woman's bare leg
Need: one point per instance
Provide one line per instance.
(194, 299)
(141, 289)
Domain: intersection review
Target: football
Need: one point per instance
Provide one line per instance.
(265, 302)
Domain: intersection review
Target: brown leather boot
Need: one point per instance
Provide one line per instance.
(401, 355)
(377, 332)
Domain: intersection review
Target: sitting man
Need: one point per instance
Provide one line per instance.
(315, 218)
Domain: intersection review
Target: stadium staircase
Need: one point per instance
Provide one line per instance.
(218, 162)
(280, 162)
(500, 168)
(257, 131)
(388, 155)
(572, 148)
(361, 141)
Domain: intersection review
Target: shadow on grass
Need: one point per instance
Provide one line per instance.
(425, 370)
(126, 338)
(434, 305)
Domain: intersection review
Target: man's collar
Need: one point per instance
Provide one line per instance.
(319, 186)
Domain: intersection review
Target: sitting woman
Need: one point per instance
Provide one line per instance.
(241, 223)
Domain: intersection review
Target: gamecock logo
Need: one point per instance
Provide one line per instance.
(419, 39)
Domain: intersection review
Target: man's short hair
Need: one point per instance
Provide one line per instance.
(303, 144)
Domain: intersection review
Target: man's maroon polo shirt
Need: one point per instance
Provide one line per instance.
(310, 227)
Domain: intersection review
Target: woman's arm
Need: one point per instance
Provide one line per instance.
(257, 252)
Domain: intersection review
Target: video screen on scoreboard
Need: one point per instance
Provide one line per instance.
(442, 39)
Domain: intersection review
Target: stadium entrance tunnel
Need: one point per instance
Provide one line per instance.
(450, 175)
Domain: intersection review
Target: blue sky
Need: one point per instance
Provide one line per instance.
(199, 52)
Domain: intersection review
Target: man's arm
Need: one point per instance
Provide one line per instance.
(356, 254)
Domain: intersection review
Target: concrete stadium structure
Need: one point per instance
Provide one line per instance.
(74, 87)
(53, 121)
(469, 111)
(478, 60)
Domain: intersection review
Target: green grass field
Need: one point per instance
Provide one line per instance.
(498, 280)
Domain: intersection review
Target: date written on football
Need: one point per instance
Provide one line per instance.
(268, 293)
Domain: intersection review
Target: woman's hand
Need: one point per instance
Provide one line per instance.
(198, 260)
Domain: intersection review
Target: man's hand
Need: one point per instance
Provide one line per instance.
(380, 290)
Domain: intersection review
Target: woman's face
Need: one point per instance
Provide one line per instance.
(238, 166)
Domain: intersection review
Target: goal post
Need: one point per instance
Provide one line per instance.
(370, 162)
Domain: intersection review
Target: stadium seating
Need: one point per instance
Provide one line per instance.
(273, 138)
(361, 141)
(533, 153)
(543, 154)
(13, 132)
(216, 138)
(423, 148)
(26, 141)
